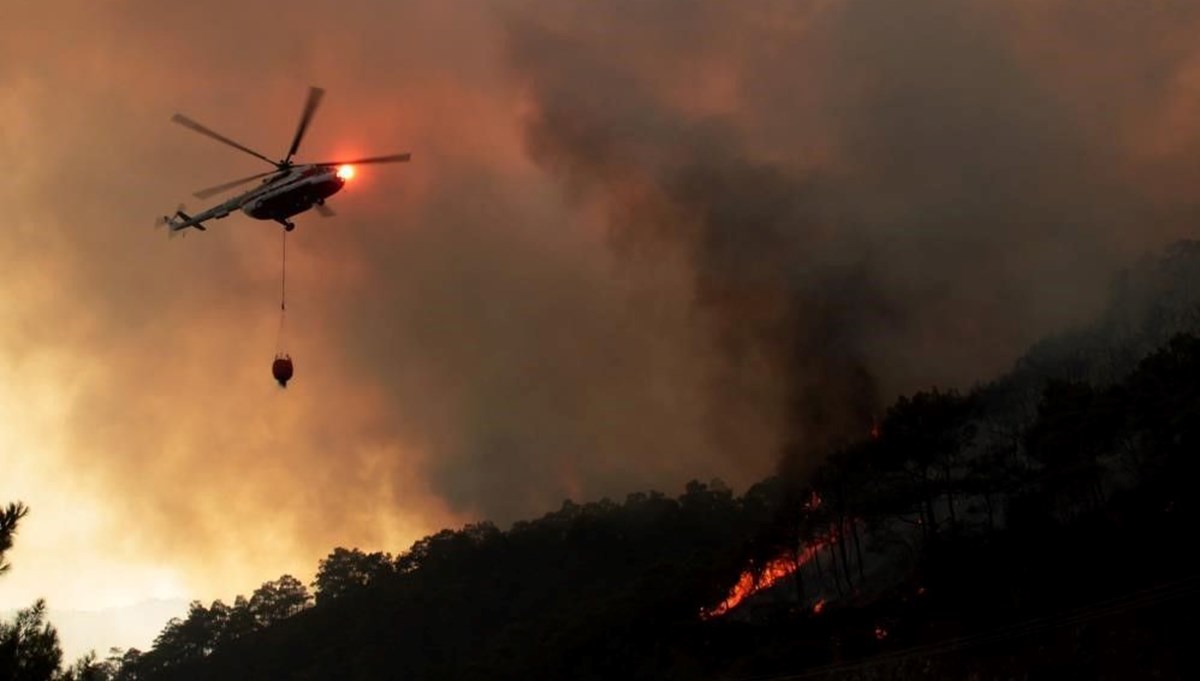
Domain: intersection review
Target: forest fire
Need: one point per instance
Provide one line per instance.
(752, 582)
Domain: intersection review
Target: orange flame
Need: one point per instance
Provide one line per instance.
(750, 583)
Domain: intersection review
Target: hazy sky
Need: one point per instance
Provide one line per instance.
(639, 243)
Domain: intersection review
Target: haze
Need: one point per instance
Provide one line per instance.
(638, 243)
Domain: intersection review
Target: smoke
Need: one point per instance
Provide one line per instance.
(896, 198)
(638, 243)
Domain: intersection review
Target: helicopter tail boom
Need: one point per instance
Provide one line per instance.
(180, 221)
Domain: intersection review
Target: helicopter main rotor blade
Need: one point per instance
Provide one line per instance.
(394, 158)
(193, 125)
(310, 107)
(205, 193)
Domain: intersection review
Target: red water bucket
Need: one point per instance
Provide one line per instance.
(281, 369)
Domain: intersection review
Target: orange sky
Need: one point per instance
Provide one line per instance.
(536, 307)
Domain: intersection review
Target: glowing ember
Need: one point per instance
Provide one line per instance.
(880, 633)
(819, 606)
(876, 431)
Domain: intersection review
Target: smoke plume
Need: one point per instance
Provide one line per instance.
(638, 243)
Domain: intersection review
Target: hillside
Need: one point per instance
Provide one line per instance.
(1033, 523)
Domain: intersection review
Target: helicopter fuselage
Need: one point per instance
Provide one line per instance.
(292, 194)
(278, 198)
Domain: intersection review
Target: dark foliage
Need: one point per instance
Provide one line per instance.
(29, 649)
(9, 518)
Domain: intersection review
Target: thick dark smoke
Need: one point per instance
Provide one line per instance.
(957, 210)
(751, 233)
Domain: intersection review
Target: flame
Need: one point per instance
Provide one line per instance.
(818, 606)
(751, 582)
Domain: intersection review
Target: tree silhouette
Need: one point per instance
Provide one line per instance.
(922, 437)
(1074, 429)
(29, 649)
(278, 600)
(345, 570)
(9, 518)
(193, 637)
(1163, 407)
(87, 668)
(240, 620)
(29, 646)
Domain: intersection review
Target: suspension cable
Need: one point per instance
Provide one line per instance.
(282, 298)
(283, 276)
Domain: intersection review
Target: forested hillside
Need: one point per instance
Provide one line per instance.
(1038, 522)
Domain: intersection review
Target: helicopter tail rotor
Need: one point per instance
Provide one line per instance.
(168, 221)
(176, 223)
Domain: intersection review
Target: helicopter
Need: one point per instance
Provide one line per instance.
(286, 191)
